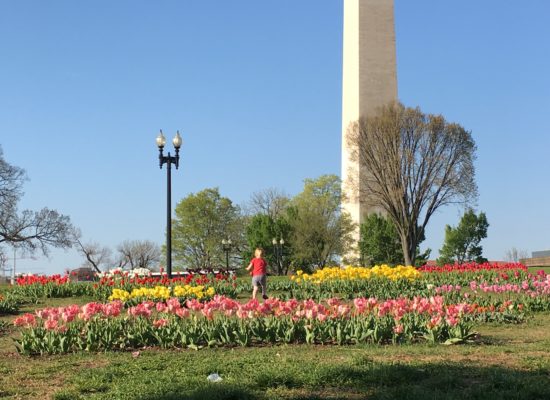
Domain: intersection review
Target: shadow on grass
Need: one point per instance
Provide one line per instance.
(366, 379)
(218, 392)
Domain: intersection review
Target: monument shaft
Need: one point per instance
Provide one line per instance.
(369, 79)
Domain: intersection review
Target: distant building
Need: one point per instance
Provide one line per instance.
(538, 259)
(538, 254)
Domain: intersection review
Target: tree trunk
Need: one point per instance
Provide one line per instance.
(409, 245)
(405, 247)
(406, 253)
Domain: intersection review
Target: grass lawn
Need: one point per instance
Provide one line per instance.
(509, 362)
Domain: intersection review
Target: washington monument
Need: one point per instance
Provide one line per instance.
(369, 79)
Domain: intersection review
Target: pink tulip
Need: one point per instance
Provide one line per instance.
(50, 324)
(172, 304)
(321, 317)
(182, 312)
(398, 329)
(25, 320)
(161, 307)
(160, 322)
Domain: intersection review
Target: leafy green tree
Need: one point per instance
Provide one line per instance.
(380, 243)
(201, 222)
(260, 232)
(320, 231)
(462, 243)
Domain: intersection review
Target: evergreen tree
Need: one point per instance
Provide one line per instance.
(380, 242)
(462, 243)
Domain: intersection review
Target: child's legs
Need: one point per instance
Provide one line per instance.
(255, 284)
(263, 284)
(259, 280)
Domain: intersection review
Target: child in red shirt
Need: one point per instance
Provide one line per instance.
(258, 268)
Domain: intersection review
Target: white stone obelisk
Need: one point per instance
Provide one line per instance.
(369, 80)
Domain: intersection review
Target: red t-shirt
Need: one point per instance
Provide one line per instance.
(259, 266)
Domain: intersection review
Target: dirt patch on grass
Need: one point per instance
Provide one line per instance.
(41, 377)
(326, 393)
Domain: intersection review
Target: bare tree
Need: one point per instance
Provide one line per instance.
(95, 255)
(271, 202)
(11, 184)
(29, 230)
(514, 255)
(414, 163)
(138, 254)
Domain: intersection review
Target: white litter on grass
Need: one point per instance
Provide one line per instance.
(214, 378)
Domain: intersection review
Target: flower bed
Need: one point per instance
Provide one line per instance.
(349, 282)
(31, 279)
(226, 322)
(474, 282)
(37, 286)
(40, 286)
(473, 267)
(357, 273)
(223, 284)
(163, 293)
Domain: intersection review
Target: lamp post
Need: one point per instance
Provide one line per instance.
(169, 160)
(278, 246)
(226, 245)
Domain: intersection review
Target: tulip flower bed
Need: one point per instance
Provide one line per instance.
(463, 274)
(59, 286)
(357, 273)
(37, 286)
(163, 293)
(473, 267)
(349, 282)
(226, 322)
(222, 284)
(387, 282)
(26, 280)
(484, 284)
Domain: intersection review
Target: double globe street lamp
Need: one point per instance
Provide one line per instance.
(169, 160)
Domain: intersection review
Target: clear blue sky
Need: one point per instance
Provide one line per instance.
(255, 88)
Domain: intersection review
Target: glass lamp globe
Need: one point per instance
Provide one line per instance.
(161, 140)
(177, 141)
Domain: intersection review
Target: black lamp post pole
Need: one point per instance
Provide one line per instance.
(169, 217)
(226, 245)
(169, 160)
(278, 247)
